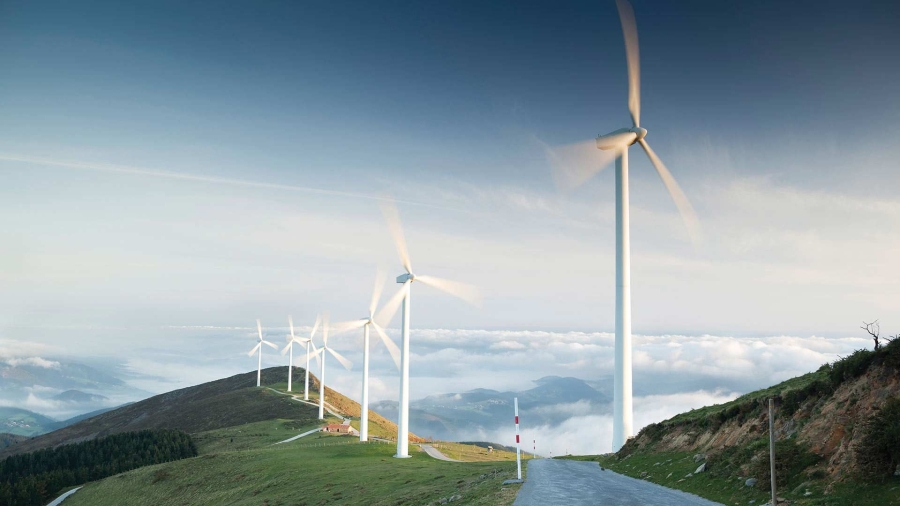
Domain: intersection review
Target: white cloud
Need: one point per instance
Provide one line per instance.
(34, 361)
(587, 434)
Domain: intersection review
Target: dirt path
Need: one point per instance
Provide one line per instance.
(299, 436)
(574, 483)
(329, 408)
(63, 497)
(433, 452)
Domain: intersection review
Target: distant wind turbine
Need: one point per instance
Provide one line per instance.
(340, 358)
(365, 323)
(573, 165)
(291, 339)
(466, 292)
(258, 348)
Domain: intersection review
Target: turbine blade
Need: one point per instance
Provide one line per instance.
(259, 329)
(315, 327)
(250, 354)
(340, 358)
(270, 345)
(390, 308)
(291, 323)
(390, 345)
(392, 216)
(325, 329)
(632, 55)
(286, 348)
(681, 201)
(340, 328)
(572, 165)
(468, 293)
(376, 292)
(315, 354)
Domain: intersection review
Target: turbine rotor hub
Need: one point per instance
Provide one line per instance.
(640, 132)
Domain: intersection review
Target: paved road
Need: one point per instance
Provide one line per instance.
(576, 483)
(299, 436)
(62, 498)
(430, 450)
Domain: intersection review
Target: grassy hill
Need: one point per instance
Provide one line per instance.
(222, 403)
(319, 469)
(236, 427)
(837, 439)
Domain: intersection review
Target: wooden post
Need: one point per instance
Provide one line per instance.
(772, 448)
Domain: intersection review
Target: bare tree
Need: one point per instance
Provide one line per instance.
(874, 330)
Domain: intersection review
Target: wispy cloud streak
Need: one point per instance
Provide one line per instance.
(138, 171)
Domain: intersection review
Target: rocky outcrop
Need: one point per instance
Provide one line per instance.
(828, 423)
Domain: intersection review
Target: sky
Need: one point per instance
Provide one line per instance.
(170, 172)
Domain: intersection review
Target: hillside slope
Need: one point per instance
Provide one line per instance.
(218, 404)
(822, 421)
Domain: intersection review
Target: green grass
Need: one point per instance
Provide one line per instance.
(472, 453)
(671, 469)
(255, 435)
(379, 426)
(346, 474)
(239, 466)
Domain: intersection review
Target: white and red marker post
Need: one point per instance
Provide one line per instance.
(518, 458)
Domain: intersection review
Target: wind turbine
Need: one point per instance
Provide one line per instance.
(466, 292)
(258, 347)
(291, 339)
(365, 323)
(340, 358)
(614, 145)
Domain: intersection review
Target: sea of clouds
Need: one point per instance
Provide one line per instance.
(672, 373)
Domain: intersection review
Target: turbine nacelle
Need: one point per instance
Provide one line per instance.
(403, 278)
(620, 138)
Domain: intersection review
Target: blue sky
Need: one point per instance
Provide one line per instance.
(186, 164)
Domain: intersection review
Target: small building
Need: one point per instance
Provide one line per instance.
(338, 428)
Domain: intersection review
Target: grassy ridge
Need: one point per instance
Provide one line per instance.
(221, 403)
(254, 472)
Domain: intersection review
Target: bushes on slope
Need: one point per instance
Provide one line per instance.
(878, 452)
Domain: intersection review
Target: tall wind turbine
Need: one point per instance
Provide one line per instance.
(291, 339)
(340, 358)
(365, 323)
(466, 292)
(258, 348)
(574, 165)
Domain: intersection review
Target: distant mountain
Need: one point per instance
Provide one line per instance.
(25, 423)
(54, 374)
(60, 389)
(79, 397)
(481, 411)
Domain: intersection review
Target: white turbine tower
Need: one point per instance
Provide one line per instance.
(365, 323)
(291, 339)
(466, 292)
(346, 363)
(576, 164)
(258, 347)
